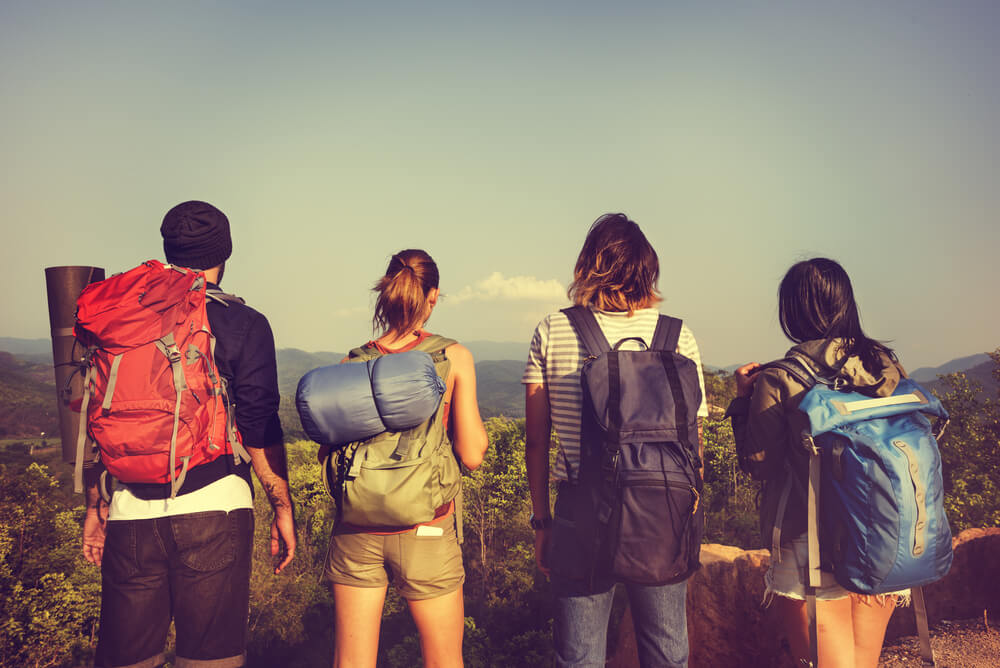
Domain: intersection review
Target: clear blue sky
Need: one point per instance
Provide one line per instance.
(741, 136)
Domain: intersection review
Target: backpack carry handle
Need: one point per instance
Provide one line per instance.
(618, 345)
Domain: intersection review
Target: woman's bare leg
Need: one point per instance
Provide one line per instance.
(359, 618)
(441, 623)
(870, 618)
(834, 629)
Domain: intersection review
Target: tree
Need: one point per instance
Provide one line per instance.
(970, 451)
(729, 494)
(49, 596)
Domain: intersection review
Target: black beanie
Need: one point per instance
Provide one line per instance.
(196, 235)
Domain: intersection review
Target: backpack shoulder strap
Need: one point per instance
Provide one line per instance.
(224, 298)
(435, 344)
(586, 327)
(668, 332)
(363, 353)
(798, 369)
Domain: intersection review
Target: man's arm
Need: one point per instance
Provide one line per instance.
(95, 522)
(271, 468)
(537, 441)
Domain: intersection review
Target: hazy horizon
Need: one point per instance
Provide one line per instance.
(740, 137)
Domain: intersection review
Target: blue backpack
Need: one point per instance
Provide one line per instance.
(875, 487)
(636, 515)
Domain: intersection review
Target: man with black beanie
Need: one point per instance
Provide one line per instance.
(188, 557)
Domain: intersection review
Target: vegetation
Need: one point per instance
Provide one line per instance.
(49, 597)
(970, 450)
(27, 394)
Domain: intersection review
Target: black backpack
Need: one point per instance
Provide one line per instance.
(636, 515)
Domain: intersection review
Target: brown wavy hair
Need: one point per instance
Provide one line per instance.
(402, 292)
(617, 269)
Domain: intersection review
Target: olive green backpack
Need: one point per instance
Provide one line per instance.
(397, 478)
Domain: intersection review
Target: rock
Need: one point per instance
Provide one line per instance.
(971, 586)
(727, 626)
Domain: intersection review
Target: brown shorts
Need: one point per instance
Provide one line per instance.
(424, 562)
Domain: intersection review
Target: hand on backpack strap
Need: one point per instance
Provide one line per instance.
(745, 377)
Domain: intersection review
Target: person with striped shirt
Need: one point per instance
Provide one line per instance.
(615, 276)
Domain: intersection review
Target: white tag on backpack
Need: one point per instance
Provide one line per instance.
(427, 530)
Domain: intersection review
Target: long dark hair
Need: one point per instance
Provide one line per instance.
(617, 269)
(402, 292)
(816, 301)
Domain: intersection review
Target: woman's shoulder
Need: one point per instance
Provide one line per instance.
(456, 352)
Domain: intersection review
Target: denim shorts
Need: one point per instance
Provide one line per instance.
(194, 568)
(424, 562)
(788, 577)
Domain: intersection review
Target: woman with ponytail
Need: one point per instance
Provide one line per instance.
(424, 561)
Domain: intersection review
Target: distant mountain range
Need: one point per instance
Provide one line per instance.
(27, 386)
(35, 350)
(927, 373)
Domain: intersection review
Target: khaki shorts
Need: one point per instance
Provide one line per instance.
(421, 565)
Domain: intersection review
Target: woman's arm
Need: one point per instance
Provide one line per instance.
(760, 419)
(468, 434)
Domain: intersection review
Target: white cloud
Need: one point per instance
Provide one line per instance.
(496, 286)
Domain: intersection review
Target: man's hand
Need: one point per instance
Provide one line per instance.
(272, 469)
(542, 549)
(95, 525)
(283, 531)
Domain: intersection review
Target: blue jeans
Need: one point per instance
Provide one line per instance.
(582, 610)
(580, 627)
(194, 568)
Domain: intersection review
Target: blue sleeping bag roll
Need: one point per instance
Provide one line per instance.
(349, 402)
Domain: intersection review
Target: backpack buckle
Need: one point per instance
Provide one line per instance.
(610, 460)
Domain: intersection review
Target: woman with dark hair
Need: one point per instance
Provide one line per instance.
(424, 561)
(818, 313)
(615, 277)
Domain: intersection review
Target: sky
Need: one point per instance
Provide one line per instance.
(741, 136)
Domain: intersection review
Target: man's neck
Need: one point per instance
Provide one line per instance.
(212, 275)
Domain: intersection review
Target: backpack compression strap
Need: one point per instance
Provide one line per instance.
(169, 349)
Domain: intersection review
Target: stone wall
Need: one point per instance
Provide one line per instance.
(727, 626)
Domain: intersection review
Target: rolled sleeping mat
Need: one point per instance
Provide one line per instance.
(349, 402)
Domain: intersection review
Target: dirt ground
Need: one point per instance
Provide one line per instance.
(968, 643)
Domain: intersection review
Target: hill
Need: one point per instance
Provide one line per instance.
(498, 385)
(927, 373)
(33, 350)
(484, 351)
(28, 398)
(294, 363)
(981, 373)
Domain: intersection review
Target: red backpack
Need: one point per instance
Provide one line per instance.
(153, 399)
